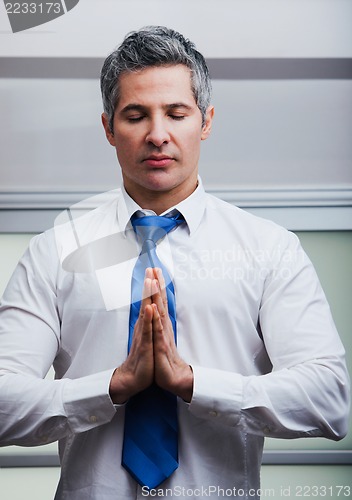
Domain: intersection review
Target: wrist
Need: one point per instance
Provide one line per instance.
(120, 389)
(184, 387)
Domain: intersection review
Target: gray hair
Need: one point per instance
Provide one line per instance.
(154, 46)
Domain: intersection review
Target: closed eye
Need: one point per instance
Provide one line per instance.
(135, 118)
(177, 117)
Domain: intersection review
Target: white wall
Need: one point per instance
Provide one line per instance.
(221, 28)
(285, 133)
(265, 134)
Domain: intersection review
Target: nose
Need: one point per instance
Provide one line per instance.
(157, 133)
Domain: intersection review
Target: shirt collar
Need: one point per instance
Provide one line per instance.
(125, 209)
(192, 208)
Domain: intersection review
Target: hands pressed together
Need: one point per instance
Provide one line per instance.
(153, 356)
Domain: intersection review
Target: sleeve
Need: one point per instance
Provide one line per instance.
(34, 410)
(307, 391)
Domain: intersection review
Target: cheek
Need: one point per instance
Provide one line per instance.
(191, 144)
(125, 146)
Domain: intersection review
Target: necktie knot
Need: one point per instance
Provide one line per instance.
(154, 227)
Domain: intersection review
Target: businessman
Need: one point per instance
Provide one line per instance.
(182, 330)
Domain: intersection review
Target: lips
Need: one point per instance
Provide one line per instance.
(158, 161)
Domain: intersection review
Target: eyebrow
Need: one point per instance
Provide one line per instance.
(141, 108)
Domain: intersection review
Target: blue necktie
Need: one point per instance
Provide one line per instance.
(151, 430)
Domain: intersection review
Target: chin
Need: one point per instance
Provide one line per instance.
(161, 181)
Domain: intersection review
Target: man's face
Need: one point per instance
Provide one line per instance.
(157, 133)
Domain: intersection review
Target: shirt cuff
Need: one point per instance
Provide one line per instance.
(87, 401)
(217, 395)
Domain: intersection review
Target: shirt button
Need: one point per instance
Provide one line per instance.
(93, 419)
(213, 413)
(266, 431)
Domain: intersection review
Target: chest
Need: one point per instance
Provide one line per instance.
(218, 289)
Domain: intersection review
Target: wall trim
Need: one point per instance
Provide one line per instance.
(297, 209)
(340, 196)
(244, 197)
(270, 457)
(234, 68)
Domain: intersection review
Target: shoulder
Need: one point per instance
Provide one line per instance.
(236, 217)
(245, 227)
(82, 223)
(87, 221)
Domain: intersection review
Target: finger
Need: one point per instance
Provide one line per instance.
(143, 331)
(157, 323)
(147, 319)
(144, 321)
(160, 277)
(146, 293)
(156, 292)
(149, 273)
(157, 298)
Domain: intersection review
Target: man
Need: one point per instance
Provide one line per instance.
(257, 352)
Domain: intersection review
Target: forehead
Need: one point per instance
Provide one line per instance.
(157, 83)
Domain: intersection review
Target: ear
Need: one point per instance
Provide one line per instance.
(208, 122)
(109, 135)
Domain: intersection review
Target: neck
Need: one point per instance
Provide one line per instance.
(159, 202)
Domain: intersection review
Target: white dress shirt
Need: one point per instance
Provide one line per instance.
(252, 321)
